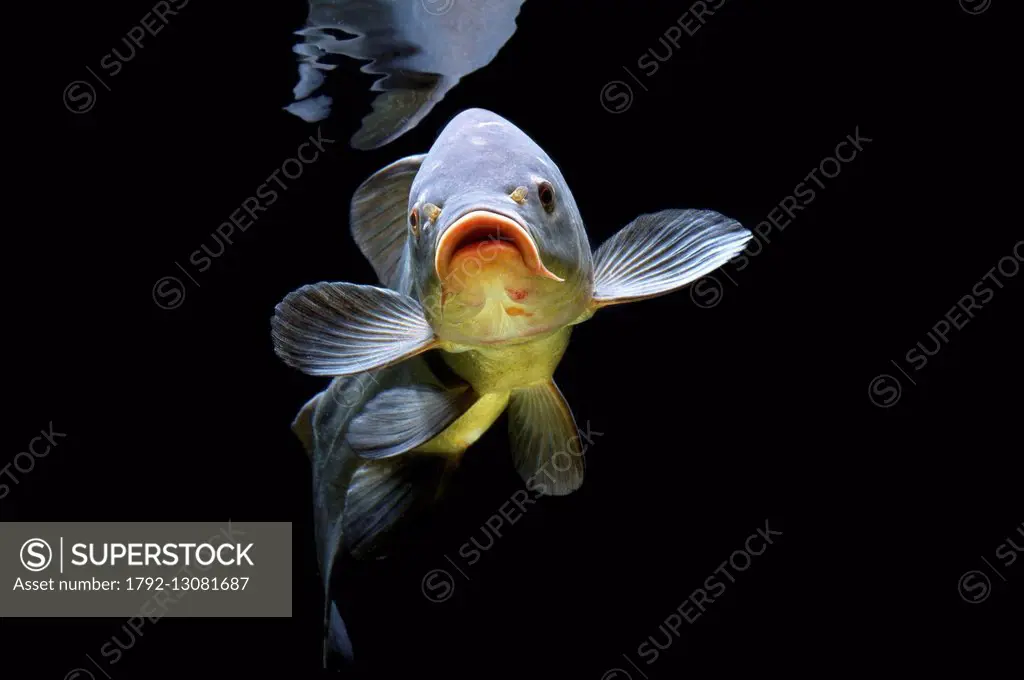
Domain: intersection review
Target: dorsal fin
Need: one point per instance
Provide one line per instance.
(379, 223)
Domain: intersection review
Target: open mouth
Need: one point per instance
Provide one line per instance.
(483, 234)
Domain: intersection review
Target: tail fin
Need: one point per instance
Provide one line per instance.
(362, 507)
(384, 499)
(337, 637)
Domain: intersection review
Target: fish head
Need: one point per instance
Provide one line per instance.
(499, 252)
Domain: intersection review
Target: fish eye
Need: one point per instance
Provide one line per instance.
(546, 193)
(414, 222)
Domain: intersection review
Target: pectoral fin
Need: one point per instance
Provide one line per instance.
(400, 419)
(545, 443)
(659, 253)
(344, 328)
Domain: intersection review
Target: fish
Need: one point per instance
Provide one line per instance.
(484, 267)
(420, 48)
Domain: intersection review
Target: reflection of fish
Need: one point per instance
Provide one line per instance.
(485, 257)
(421, 47)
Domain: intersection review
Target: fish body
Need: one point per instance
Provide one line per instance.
(421, 48)
(484, 265)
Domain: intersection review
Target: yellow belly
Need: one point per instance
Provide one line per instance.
(493, 372)
(505, 367)
(469, 427)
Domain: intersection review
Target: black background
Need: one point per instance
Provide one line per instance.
(713, 420)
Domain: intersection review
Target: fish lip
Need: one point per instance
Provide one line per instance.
(485, 222)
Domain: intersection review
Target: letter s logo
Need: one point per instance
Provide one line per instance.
(36, 554)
